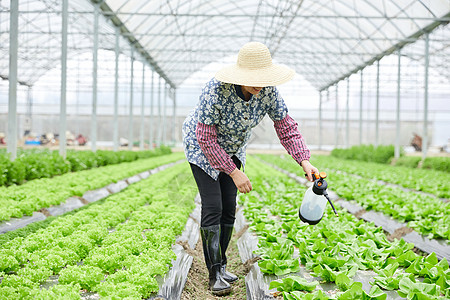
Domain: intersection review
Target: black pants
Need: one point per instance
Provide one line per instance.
(218, 196)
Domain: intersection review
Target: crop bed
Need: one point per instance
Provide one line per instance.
(115, 247)
(335, 250)
(19, 200)
(430, 181)
(430, 216)
(123, 245)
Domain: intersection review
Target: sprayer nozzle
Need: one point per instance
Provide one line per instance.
(332, 206)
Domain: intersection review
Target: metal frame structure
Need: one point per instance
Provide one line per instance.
(324, 41)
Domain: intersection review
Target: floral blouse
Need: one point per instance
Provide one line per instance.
(233, 118)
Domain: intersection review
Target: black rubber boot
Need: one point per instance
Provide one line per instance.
(226, 231)
(213, 257)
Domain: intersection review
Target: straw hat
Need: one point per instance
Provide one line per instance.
(254, 68)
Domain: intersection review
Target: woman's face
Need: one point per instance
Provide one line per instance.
(252, 90)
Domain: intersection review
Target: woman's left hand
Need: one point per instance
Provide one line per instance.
(309, 169)
(241, 181)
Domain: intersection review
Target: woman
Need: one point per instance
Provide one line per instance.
(215, 137)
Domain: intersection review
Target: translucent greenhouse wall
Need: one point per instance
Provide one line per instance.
(42, 103)
(334, 48)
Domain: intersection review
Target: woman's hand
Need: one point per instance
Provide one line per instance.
(309, 169)
(241, 181)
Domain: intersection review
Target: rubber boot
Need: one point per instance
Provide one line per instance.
(213, 257)
(226, 231)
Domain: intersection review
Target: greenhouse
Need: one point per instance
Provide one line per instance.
(224, 149)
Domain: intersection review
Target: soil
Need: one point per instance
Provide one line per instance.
(360, 213)
(196, 287)
(84, 201)
(45, 212)
(398, 233)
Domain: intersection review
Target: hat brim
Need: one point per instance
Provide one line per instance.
(270, 76)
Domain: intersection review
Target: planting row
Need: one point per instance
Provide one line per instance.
(19, 200)
(33, 164)
(427, 215)
(380, 154)
(115, 247)
(385, 154)
(430, 181)
(436, 163)
(333, 250)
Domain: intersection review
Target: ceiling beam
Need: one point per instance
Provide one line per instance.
(221, 36)
(110, 13)
(134, 42)
(412, 38)
(24, 83)
(231, 51)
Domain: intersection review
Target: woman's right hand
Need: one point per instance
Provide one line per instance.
(241, 181)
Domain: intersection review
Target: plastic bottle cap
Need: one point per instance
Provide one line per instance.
(323, 175)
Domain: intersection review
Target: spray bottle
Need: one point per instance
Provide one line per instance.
(315, 200)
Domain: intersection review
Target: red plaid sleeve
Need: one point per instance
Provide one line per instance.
(291, 139)
(217, 157)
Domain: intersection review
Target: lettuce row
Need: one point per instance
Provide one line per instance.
(430, 181)
(19, 200)
(81, 250)
(32, 164)
(335, 248)
(427, 215)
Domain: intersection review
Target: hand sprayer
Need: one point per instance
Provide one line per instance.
(315, 200)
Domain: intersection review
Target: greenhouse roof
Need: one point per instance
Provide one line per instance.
(323, 40)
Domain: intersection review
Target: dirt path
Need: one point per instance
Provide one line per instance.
(196, 287)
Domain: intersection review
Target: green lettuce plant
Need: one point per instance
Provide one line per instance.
(334, 249)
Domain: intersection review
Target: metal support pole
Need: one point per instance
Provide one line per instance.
(152, 97)
(116, 95)
(328, 101)
(320, 120)
(63, 106)
(336, 130)
(130, 119)
(77, 102)
(158, 142)
(425, 103)
(29, 109)
(377, 112)
(12, 102)
(360, 108)
(174, 122)
(141, 142)
(347, 116)
(94, 83)
(397, 134)
(164, 125)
